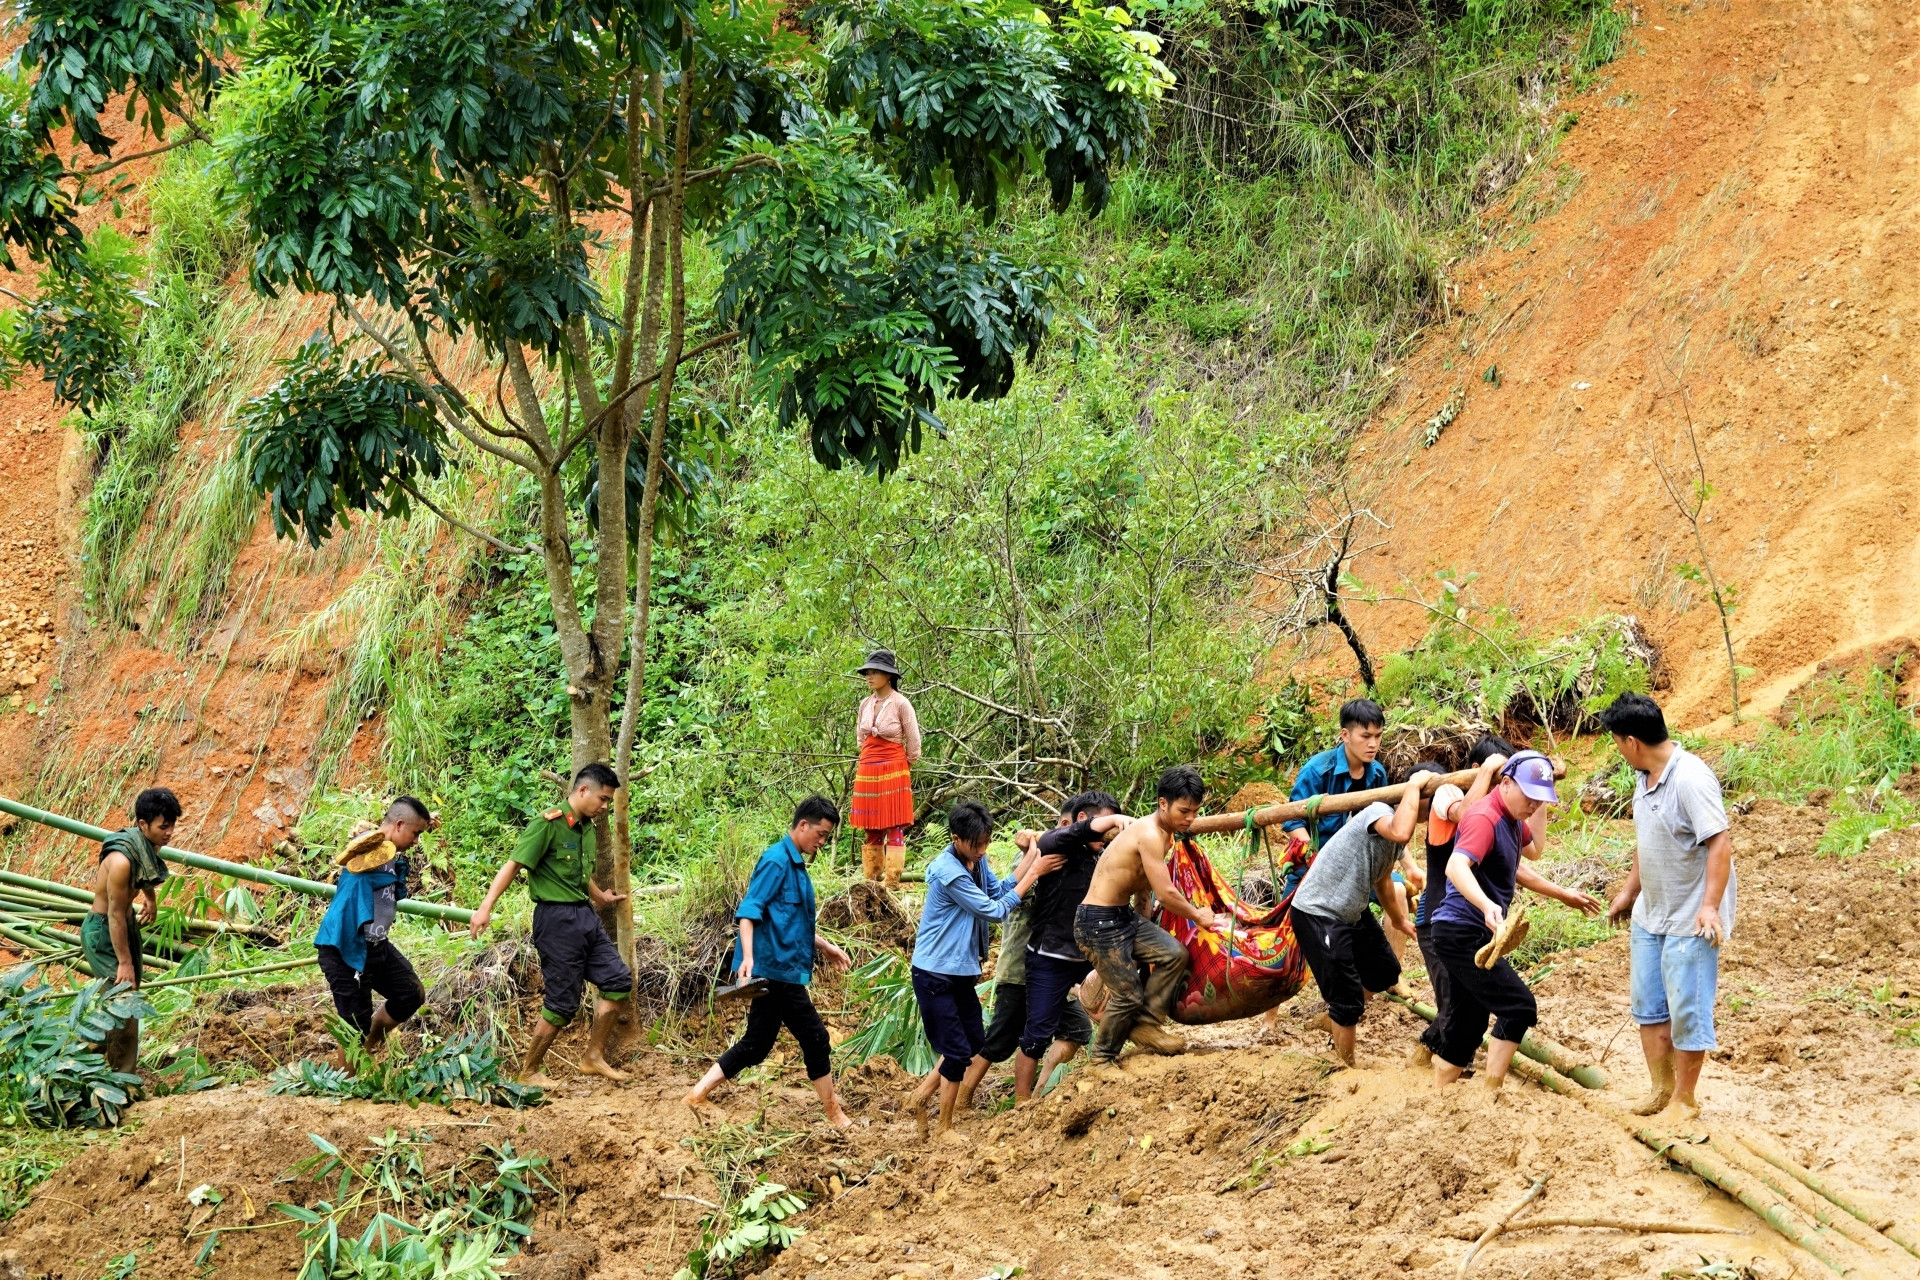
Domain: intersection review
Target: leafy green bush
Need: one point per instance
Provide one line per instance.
(477, 1208)
(464, 1068)
(51, 1073)
(754, 1225)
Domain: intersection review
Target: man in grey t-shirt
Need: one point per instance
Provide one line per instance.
(1341, 941)
(1680, 897)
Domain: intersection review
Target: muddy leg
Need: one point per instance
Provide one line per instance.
(595, 1058)
(537, 1046)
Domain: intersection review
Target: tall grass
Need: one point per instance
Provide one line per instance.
(1849, 733)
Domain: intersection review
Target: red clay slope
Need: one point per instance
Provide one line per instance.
(1743, 196)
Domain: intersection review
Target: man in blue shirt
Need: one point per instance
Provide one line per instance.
(777, 945)
(1353, 765)
(964, 898)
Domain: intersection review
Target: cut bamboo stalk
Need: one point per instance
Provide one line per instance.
(1623, 1224)
(52, 887)
(216, 974)
(1557, 1056)
(219, 866)
(1774, 1154)
(1347, 802)
(1821, 1210)
(13, 893)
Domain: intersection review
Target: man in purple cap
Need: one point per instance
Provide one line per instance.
(1486, 866)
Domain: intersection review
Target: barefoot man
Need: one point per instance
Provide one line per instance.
(1123, 945)
(1680, 896)
(557, 852)
(129, 864)
(777, 945)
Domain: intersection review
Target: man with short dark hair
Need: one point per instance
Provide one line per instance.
(1345, 950)
(130, 865)
(1141, 965)
(778, 941)
(355, 952)
(964, 897)
(1055, 1025)
(1680, 898)
(557, 853)
(1352, 764)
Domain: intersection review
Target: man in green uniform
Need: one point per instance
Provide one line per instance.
(129, 864)
(558, 852)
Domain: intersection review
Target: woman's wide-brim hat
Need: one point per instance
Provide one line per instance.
(880, 660)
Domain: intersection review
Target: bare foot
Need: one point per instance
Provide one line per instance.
(1652, 1104)
(919, 1108)
(954, 1138)
(963, 1101)
(1421, 1056)
(538, 1080)
(601, 1067)
(1320, 1022)
(706, 1109)
(1678, 1114)
(837, 1117)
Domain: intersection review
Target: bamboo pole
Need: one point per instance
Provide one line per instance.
(46, 888)
(1774, 1154)
(1347, 802)
(1557, 1056)
(219, 866)
(1821, 1210)
(216, 974)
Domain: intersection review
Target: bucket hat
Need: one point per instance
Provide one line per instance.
(880, 660)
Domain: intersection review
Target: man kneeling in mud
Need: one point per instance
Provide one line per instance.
(1141, 964)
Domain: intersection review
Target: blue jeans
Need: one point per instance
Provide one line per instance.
(1675, 979)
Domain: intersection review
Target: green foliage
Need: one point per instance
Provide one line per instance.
(464, 1068)
(158, 53)
(1862, 813)
(79, 330)
(28, 1157)
(51, 1073)
(474, 1205)
(883, 990)
(337, 434)
(1840, 734)
(752, 1227)
(1491, 671)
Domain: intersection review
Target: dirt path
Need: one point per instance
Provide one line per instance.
(1132, 1177)
(1737, 201)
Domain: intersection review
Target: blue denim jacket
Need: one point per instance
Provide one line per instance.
(779, 901)
(1330, 774)
(960, 905)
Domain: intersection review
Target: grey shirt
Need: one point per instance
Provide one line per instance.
(1340, 882)
(1673, 818)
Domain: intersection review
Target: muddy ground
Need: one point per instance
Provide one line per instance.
(1177, 1170)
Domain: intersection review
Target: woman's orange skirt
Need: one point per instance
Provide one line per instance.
(882, 787)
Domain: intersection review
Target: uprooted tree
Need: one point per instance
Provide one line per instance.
(444, 171)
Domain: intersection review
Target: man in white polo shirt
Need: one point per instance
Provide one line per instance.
(1680, 896)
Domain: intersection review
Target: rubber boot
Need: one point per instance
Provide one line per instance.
(896, 863)
(871, 858)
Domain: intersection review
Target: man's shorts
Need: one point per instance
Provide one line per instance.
(96, 940)
(1675, 979)
(573, 948)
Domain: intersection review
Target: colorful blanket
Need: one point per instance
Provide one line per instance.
(1256, 968)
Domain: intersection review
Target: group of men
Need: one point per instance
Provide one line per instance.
(1076, 933)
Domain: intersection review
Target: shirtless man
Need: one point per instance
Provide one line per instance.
(1121, 943)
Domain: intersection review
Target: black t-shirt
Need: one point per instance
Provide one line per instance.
(1056, 897)
(1437, 856)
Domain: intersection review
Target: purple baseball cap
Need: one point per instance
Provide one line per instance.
(1533, 774)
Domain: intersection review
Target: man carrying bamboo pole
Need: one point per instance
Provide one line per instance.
(129, 864)
(1680, 898)
(355, 952)
(1141, 965)
(557, 852)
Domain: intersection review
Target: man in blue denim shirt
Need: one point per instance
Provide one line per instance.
(777, 944)
(963, 898)
(1353, 765)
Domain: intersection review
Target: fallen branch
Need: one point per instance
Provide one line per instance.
(1539, 1185)
(1611, 1224)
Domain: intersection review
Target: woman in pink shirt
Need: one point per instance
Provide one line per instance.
(889, 739)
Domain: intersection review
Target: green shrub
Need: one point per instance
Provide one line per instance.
(1842, 733)
(464, 1068)
(51, 1073)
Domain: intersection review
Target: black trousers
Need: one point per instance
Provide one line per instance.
(950, 1012)
(1346, 960)
(574, 949)
(1478, 994)
(782, 1003)
(388, 973)
(1435, 1034)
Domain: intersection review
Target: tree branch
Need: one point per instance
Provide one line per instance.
(435, 392)
(755, 160)
(586, 430)
(1015, 712)
(195, 134)
(466, 528)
